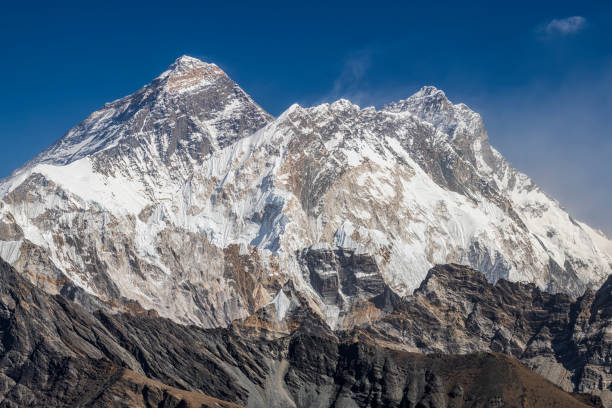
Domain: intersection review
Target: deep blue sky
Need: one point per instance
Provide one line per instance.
(542, 82)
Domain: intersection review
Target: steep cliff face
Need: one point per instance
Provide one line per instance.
(572, 246)
(187, 198)
(55, 353)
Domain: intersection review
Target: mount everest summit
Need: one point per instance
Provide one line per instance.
(187, 198)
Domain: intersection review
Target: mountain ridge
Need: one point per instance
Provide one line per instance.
(206, 214)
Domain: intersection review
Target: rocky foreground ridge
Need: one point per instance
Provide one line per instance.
(55, 353)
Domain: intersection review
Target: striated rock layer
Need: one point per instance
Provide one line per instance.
(55, 353)
(187, 198)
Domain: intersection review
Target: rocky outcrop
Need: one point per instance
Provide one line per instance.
(343, 274)
(345, 281)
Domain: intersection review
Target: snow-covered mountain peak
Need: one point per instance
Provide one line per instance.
(184, 65)
(187, 73)
(190, 110)
(431, 105)
(428, 102)
(429, 91)
(186, 62)
(343, 105)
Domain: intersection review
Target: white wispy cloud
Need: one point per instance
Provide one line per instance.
(350, 84)
(565, 26)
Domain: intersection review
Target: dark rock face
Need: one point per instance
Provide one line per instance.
(55, 353)
(338, 273)
(456, 310)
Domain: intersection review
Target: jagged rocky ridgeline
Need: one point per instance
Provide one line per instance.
(187, 198)
(53, 352)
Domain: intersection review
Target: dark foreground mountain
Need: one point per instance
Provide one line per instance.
(55, 353)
